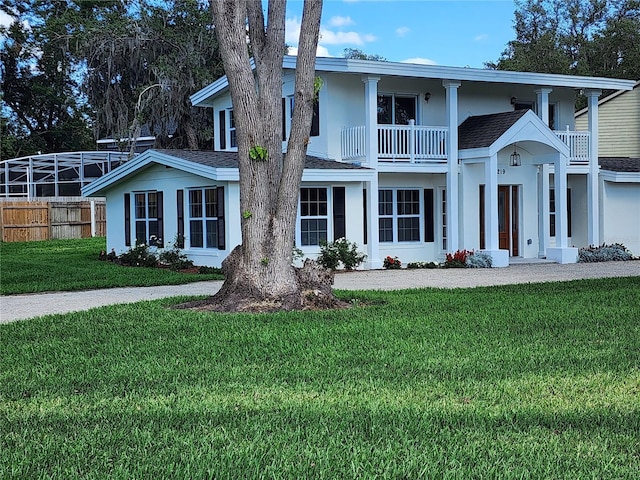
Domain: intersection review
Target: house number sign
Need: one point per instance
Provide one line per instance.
(502, 171)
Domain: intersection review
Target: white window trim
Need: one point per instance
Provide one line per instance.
(146, 219)
(203, 218)
(328, 217)
(416, 98)
(395, 216)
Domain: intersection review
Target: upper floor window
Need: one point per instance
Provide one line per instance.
(287, 116)
(525, 105)
(396, 109)
(227, 129)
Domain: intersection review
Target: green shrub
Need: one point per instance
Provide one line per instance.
(342, 251)
(174, 258)
(415, 265)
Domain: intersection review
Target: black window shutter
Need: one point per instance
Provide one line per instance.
(284, 119)
(364, 216)
(429, 216)
(315, 120)
(220, 213)
(339, 216)
(180, 209)
(222, 129)
(127, 219)
(160, 221)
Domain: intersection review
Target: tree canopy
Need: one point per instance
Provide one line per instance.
(575, 37)
(75, 71)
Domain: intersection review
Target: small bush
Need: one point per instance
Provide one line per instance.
(139, 256)
(479, 260)
(342, 251)
(391, 263)
(209, 270)
(604, 253)
(174, 258)
(415, 265)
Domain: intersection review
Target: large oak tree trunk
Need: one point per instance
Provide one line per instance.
(259, 273)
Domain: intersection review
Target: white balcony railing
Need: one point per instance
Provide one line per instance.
(398, 143)
(578, 142)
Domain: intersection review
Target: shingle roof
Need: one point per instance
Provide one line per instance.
(230, 160)
(482, 130)
(619, 164)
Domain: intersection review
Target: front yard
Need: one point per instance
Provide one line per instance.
(526, 381)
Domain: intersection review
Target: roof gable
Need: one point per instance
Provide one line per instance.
(209, 164)
(485, 135)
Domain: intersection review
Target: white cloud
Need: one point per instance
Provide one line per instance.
(402, 31)
(329, 37)
(420, 61)
(339, 21)
(320, 51)
(291, 31)
(479, 38)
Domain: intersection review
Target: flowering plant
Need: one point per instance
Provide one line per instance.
(458, 259)
(391, 262)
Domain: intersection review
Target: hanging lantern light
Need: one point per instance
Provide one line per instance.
(514, 159)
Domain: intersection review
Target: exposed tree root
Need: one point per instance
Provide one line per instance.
(238, 294)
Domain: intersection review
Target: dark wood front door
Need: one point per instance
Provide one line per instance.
(504, 223)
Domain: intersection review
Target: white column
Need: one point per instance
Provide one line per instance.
(373, 240)
(561, 253)
(543, 210)
(500, 258)
(92, 203)
(593, 212)
(453, 235)
(371, 120)
(371, 135)
(543, 103)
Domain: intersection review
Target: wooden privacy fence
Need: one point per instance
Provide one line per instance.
(59, 218)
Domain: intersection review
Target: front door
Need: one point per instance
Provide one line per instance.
(508, 218)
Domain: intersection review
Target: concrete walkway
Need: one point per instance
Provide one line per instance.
(20, 307)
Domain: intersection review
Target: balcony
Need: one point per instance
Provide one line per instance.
(422, 144)
(578, 142)
(398, 143)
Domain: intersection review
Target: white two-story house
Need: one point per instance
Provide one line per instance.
(406, 160)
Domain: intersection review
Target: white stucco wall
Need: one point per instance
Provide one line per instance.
(620, 214)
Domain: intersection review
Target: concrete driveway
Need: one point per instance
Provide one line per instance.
(20, 307)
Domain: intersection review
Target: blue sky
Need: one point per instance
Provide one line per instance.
(443, 32)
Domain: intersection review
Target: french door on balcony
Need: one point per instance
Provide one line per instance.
(508, 218)
(395, 110)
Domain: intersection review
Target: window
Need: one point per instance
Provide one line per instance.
(227, 129)
(203, 218)
(399, 215)
(313, 216)
(287, 116)
(148, 218)
(552, 212)
(396, 110)
(443, 204)
(525, 105)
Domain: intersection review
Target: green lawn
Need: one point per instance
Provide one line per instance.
(529, 382)
(57, 265)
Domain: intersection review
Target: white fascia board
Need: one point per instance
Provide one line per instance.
(395, 167)
(620, 177)
(338, 175)
(472, 153)
(204, 97)
(462, 73)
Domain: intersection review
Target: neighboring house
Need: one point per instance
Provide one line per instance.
(412, 161)
(619, 159)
